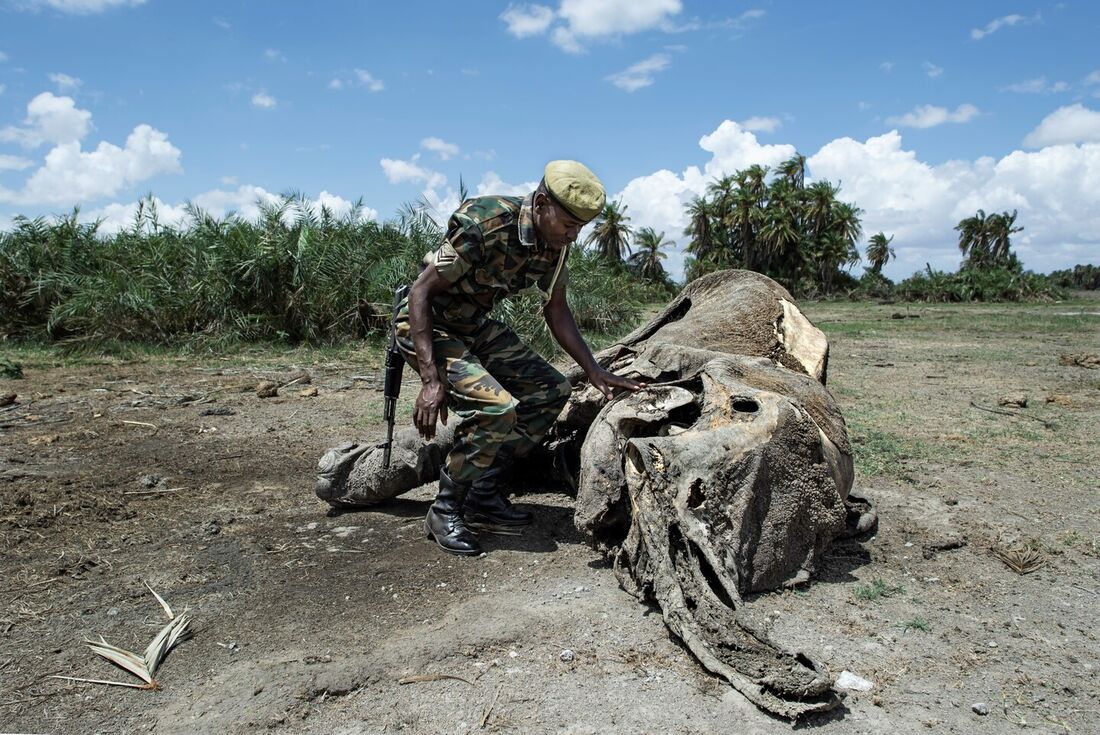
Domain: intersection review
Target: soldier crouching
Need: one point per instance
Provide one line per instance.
(504, 394)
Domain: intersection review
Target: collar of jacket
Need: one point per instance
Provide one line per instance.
(527, 233)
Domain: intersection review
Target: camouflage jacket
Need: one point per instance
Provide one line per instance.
(491, 251)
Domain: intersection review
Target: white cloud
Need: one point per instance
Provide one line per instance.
(886, 66)
(222, 23)
(527, 20)
(1038, 85)
(50, 119)
(65, 83)
(14, 163)
(491, 183)
(336, 84)
(1072, 124)
(641, 74)
(83, 7)
(71, 175)
(577, 21)
(932, 70)
(398, 172)
(340, 206)
(3, 57)
(228, 181)
(368, 81)
(1054, 189)
(264, 101)
(1003, 22)
(3, 89)
(928, 116)
(761, 124)
(274, 54)
(440, 147)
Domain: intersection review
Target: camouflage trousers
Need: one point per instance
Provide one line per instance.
(504, 395)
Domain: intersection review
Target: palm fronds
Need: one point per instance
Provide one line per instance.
(145, 665)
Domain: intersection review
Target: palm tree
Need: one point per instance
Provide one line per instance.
(1001, 229)
(794, 170)
(974, 237)
(648, 256)
(700, 229)
(611, 233)
(879, 251)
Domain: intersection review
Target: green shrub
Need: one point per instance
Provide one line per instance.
(977, 284)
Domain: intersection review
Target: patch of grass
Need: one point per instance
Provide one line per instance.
(10, 369)
(916, 623)
(881, 452)
(876, 590)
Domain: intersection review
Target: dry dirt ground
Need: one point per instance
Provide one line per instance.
(306, 623)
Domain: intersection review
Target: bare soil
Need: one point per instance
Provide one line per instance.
(111, 477)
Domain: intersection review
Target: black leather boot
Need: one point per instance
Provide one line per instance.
(487, 509)
(444, 523)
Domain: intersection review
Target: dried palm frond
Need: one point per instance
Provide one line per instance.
(1021, 559)
(143, 666)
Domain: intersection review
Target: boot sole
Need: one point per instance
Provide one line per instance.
(457, 552)
(500, 530)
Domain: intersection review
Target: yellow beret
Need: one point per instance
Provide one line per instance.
(575, 187)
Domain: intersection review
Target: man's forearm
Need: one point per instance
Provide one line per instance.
(564, 328)
(421, 329)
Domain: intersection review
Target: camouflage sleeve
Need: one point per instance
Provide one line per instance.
(462, 249)
(544, 283)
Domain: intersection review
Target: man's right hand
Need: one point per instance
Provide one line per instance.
(431, 404)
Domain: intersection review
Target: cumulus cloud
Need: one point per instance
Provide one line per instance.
(3, 88)
(1054, 190)
(71, 175)
(81, 7)
(264, 101)
(245, 201)
(577, 21)
(886, 66)
(50, 119)
(440, 147)
(1006, 21)
(3, 57)
(1071, 124)
(398, 172)
(491, 183)
(640, 75)
(932, 70)
(1038, 85)
(929, 116)
(274, 54)
(64, 82)
(761, 124)
(527, 20)
(358, 78)
(14, 163)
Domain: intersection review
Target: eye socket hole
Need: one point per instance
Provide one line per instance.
(744, 405)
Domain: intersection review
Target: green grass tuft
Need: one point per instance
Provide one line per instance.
(876, 590)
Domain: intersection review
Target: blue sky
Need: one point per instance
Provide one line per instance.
(923, 112)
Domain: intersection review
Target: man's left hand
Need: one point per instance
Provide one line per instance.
(605, 381)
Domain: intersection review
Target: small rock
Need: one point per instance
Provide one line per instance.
(112, 612)
(951, 501)
(310, 392)
(980, 708)
(848, 680)
(1059, 399)
(1013, 400)
(150, 481)
(217, 411)
(267, 389)
(213, 528)
(7, 399)
(567, 656)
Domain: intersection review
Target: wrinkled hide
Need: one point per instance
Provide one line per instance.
(729, 474)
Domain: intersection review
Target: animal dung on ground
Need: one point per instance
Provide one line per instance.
(1081, 359)
(1014, 400)
(310, 392)
(267, 389)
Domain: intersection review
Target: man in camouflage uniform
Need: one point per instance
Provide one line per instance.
(504, 394)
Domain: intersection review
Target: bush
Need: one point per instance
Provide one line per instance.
(1080, 277)
(974, 284)
(294, 275)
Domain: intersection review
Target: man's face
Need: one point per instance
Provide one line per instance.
(556, 226)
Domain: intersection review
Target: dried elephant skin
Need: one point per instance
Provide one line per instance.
(727, 475)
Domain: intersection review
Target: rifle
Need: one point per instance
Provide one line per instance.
(395, 365)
